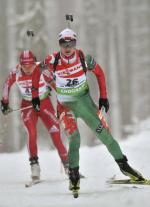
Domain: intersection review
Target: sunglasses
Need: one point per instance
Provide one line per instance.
(67, 44)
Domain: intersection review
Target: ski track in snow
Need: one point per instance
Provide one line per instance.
(96, 164)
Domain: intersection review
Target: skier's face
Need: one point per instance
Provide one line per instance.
(28, 69)
(67, 51)
(67, 47)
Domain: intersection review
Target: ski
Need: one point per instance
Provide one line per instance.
(33, 182)
(129, 181)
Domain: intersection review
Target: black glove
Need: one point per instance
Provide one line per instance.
(5, 108)
(36, 104)
(105, 103)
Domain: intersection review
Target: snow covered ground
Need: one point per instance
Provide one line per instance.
(96, 164)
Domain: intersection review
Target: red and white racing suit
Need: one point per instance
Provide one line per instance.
(30, 116)
(69, 69)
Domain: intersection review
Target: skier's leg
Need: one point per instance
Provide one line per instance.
(47, 114)
(29, 118)
(30, 125)
(88, 112)
(112, 145)
(68, 121)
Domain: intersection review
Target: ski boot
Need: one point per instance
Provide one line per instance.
(74, 181)
(35, 169)
(66, 168)
(129, 171)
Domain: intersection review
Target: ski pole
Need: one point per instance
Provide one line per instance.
(20, 109)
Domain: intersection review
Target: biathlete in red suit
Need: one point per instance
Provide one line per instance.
(22, 74)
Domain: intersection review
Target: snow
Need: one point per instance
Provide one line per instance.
(96, 164)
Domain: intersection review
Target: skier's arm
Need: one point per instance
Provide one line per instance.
(7, 86)
(101, 80)
(5, 93)
(45, 69)
(97, 70)
(40, 69)
(35, 82)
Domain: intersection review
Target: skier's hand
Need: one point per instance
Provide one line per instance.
(5, 108)
(103, 102)
(36, 104)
